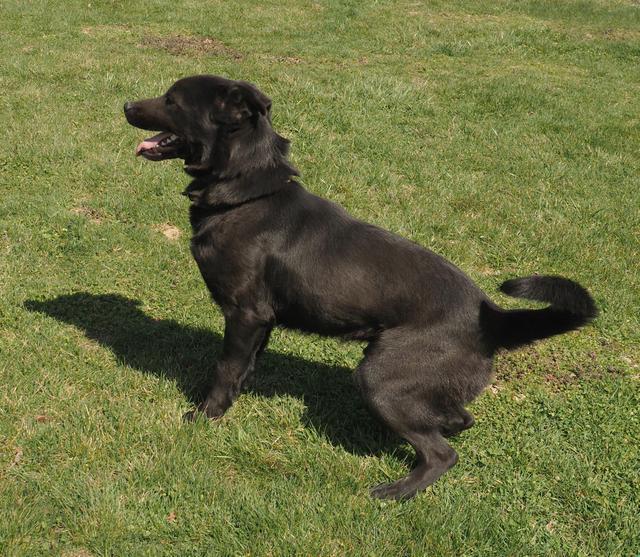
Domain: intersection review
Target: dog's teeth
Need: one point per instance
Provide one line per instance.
(168, 140)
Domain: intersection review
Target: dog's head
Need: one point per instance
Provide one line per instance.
(196, 118)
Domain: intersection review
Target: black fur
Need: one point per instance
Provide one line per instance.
(272, 254)
(571, 307)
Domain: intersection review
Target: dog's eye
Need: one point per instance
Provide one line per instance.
(169, 101)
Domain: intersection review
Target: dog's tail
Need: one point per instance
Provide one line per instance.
(571, 307)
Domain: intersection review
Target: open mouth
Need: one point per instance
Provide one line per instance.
(165, 145)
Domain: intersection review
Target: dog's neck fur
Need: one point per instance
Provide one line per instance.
(245, 164)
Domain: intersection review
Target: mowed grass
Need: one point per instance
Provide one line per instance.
(504, 135)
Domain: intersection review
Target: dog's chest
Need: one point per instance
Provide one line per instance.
(228, 253)
(216, 238)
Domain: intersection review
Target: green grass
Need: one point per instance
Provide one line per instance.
(504, 135)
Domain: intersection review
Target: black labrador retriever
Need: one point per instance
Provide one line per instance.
(271, 253)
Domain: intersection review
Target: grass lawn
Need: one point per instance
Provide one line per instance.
(504, 135)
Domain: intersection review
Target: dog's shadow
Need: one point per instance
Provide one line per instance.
(187, 355)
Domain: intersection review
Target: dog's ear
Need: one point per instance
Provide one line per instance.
(243, 101)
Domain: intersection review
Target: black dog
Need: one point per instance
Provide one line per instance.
(273, 254)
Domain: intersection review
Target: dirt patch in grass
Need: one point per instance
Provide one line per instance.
(512, 367)
(286, 59)
(91, 214)
(169, 231)
(77, 553)
(17, 457)
(180, 45)
(617, 35)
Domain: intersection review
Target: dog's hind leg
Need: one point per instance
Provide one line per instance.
(245, 337)
(418, 392)
(434, 457)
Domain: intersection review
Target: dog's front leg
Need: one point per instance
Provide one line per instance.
(245, 336)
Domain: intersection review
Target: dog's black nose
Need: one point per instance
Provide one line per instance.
(128, 106)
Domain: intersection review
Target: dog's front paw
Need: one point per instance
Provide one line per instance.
(190, 416)
(203, 412)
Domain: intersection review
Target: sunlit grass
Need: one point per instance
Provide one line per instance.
(503, 135)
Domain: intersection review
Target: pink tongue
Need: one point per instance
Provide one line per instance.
(151, 142)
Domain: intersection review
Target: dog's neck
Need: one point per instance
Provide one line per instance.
(215, 192)
(247, 165)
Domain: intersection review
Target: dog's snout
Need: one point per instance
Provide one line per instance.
(128, 106)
